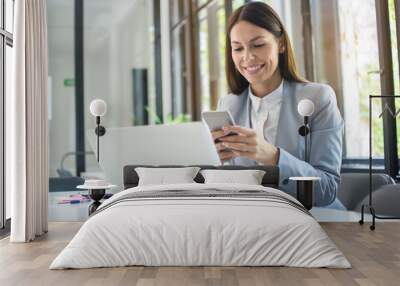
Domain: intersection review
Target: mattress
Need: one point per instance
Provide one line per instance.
(201, 225)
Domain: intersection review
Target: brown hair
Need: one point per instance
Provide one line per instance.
(263, 16)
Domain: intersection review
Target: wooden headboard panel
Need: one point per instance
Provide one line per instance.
(270, 179)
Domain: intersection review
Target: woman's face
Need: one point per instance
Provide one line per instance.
(255, 52)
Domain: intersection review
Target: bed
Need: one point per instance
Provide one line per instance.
(197, 224)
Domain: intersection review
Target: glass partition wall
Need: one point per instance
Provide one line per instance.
(61, 81)
(97, 49)
(118, 66)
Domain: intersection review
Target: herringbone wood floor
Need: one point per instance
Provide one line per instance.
(375, 257)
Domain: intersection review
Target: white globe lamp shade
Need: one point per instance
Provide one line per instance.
(98, 107)
(305, 107)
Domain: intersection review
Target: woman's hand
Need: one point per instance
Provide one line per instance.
(245, 144)
(223, 153)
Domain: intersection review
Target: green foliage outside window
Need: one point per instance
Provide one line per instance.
(370, 84)
(180, 118)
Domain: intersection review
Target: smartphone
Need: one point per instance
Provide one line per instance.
(217, 119)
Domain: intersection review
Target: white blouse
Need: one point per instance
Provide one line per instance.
(265, 113)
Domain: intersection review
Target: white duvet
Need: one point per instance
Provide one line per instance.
(200, 231)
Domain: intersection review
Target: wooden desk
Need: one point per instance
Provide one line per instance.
(67, 212)
(78, 212)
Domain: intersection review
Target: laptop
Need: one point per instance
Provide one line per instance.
(180, 144)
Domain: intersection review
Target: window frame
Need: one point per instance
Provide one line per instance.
(387, 87)
(6, 39)
(190, 19)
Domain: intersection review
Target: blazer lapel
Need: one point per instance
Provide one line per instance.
(287, 133)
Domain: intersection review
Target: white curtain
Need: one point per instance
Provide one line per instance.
(27, 126)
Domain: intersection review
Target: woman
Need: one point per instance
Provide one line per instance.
(267, 88)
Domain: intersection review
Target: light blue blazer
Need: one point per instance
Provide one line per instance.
(325, 149)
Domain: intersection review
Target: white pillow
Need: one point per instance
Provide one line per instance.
(162, 176)
(248, 177)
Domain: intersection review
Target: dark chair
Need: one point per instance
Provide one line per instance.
(385, 200)
(354, 187)
(66, 182)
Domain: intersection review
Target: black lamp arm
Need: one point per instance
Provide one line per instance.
(100, 131)
(304, 130)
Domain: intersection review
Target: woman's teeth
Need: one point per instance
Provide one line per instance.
(253, 69)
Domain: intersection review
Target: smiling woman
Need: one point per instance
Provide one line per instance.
(266, 89)
(257, 36)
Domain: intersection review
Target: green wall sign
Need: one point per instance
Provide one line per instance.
(69, 82)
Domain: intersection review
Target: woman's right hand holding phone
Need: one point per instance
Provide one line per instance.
(237, 141)
(224, 153)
